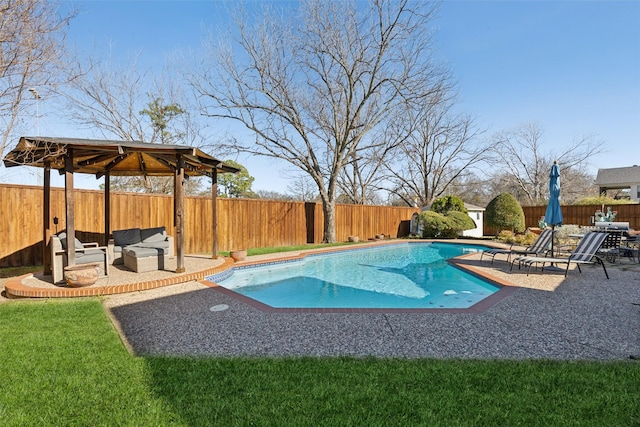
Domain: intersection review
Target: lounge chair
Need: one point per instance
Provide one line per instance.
(540, 246)
(585, 253)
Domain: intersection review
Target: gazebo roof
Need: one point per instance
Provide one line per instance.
(118, 158)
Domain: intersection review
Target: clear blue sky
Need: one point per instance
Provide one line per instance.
(571, 66)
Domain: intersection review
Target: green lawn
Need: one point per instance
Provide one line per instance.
(18, 271)
(277, 249)
(62, 363)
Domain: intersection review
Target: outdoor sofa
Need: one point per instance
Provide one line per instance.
(140, 250)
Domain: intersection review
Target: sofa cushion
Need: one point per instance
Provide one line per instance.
(63, 241)
(164, 246)
(149, 235)
(91, 255)
(127, 237)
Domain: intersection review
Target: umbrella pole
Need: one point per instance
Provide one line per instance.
(553, 266)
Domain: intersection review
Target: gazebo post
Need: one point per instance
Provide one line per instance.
(46, 218)
(214, 211)
(179, 212)
(107, 207)
(69, 197)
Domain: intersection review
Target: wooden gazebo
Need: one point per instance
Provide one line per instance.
(104, 158)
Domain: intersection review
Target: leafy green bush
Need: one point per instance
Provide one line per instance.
(461, 221)
(505, 213)
(433, 224)
(446, 204)
(507, 236)
(562, 233)
(526, 239)
(602, 200)
(446, 226)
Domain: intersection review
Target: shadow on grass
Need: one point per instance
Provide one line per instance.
(346, 391)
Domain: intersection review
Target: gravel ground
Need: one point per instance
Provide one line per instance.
(582, 317)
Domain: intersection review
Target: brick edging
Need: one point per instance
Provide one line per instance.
(15, 289)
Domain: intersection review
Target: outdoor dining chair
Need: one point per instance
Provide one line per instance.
(630, 247)
(610, 248)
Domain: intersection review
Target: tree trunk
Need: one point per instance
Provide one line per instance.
(329, 210)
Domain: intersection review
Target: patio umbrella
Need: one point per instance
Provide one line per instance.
(553, 215)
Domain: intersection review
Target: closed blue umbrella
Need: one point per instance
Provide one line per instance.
(553, 215)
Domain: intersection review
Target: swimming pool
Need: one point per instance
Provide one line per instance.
(404, 275)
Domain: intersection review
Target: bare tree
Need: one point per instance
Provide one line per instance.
(314, 86)
(473, 189)
(357, 179)
(363, 176)
(302, 188)
(525, 165)
(108, 98)
(441, 149)
(32, 44)
(121, 102)
(273, 195)
(576, 184)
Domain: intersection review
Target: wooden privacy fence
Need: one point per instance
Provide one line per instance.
(242, 223)
(578, 215)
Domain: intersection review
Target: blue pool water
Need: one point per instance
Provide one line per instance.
(406, 275)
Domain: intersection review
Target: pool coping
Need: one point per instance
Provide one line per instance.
(506, 288)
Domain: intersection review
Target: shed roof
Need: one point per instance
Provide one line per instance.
(473, 208)
(469, 206)
(118, 158)
(618, 176)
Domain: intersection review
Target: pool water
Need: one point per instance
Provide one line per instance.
(406, 275)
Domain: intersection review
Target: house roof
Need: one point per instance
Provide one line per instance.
(118, 158)
(621, 177)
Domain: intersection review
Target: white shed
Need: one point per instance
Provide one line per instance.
(477, 215)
